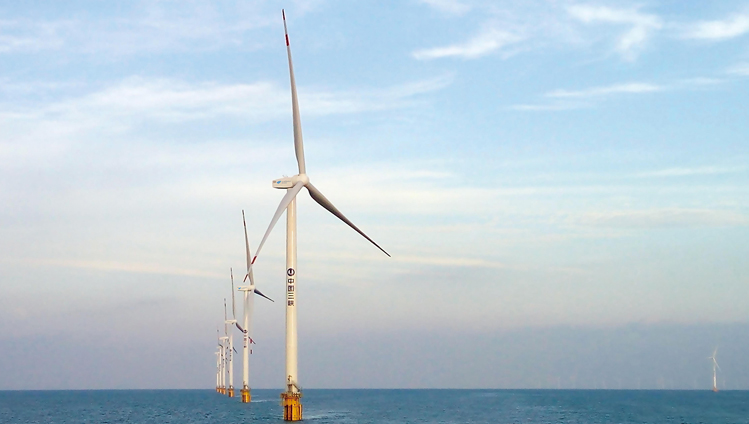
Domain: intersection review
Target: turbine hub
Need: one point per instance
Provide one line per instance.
(288, 182)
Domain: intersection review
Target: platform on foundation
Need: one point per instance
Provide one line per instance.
(230, 393)
(292, 406)
(246, 396)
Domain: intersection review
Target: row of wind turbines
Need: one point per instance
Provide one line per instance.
(291, 397)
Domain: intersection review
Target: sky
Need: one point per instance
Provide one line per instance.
(563, 187)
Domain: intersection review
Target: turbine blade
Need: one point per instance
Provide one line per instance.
(239, 327)
(225, 317)
(290, 194)
(324, 202)
(260, 294)
(247, 251)
(235, 350)
(233, 305)
(298, 145)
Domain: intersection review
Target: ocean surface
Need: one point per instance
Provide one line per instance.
(378, 406)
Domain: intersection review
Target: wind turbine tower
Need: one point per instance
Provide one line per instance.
(716, 367)
(291, 398)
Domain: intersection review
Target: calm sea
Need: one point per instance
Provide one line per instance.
(379, 406)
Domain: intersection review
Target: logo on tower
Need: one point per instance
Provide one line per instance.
(290, 272)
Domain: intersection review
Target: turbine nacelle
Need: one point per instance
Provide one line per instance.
(289, 182)
(230, 321)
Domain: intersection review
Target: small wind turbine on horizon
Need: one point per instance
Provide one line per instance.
(716, 367)
(293, 185)
(249, 306)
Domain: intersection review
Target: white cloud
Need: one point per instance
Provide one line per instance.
(732, 27)
(627, 88)
(685, 172)
(548, 107)
(483, 44)
(171, 100)
(641, 25)
(453, 7)
(741, 69)
(666, 218)
(144, 27)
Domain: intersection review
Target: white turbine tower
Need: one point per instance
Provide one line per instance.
(292, 396)
(249, 306)
(716, 367)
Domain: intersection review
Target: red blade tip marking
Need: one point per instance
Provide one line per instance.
(287, 40)
(253, 260)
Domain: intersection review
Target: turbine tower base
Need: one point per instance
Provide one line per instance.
(246, 396)
(292, 406)
(230, 393)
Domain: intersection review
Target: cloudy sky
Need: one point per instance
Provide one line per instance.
(559, 183)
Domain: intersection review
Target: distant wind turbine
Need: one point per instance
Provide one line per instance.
(218, 370)
(229, 326)
(292, 397)
(220, 364)
(249, 306)
(224, 353)
(716, 367)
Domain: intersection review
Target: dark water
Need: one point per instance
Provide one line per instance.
(379, 406)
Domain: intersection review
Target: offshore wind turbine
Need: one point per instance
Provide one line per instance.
(292, 396)
(218, 370)
(220, 364)
(716, 367)
(228, 324)
(249, 306)
(221, 342)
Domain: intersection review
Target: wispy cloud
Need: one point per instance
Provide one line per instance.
(132, 267)
(626, 88)
(486, 42)
(741, 69)
(666, 218)
(452, 7)
(685, 172)
(29, 36)
(732, 27)
(172, 100)
(542, 107)
(641, 25)
(144, 27)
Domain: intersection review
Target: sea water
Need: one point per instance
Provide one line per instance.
(378, 406)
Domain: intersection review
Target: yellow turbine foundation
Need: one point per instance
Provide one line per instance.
(231, 392)
(246, 396)
(292, 406)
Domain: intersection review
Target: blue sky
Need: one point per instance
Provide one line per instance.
(528, 164)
